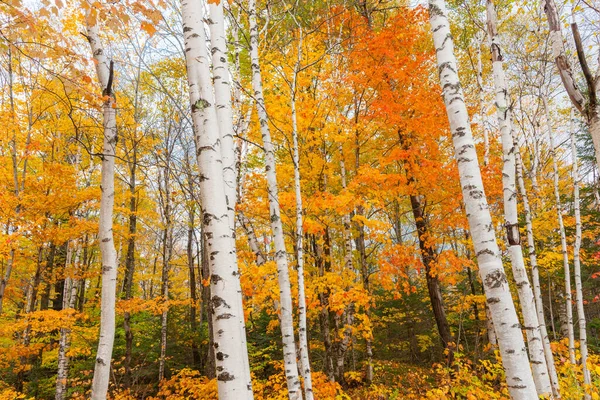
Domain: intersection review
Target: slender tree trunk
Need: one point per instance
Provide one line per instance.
(577, 267)
(130, 268)
(233, 375)
(563, 240)
(524, 290)
(193, 291)
(486, 139)
(105, 234)
(281, 258)
(535, 276)
(69, 299)
(167, 251)
(510, 339)
(252, 240)
(302, 328)
(433, 283)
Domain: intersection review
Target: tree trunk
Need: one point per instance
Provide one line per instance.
(69, 298)
(577, 268)
(486, 139)
(535, 276)
(511, 217)
(281, 258)
(302, 328)
(193, 292)
(105, 234)
(233, 375)
(563, 240)
(222, 90)
(130, 268)
(510, 339)
(433, 283)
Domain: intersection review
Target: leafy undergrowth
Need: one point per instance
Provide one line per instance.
(483, 379)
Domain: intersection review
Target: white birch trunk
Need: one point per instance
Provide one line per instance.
(105, 234)
(285, 293)
(526, 298)
(563, 239)
(486, 139)
(302, 329)
(233, 374)
(535, 277)
(222, 85)
(508, 330)
(577, 266)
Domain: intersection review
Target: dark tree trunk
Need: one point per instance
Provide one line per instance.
(433, 284)
(47, 277)
(129, 271)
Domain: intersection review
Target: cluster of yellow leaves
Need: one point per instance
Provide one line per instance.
(275, 388)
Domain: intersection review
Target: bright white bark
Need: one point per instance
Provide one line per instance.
(508, 329)
(535, 277)
(563, 238)
(486, 139)
(281, 258)
(105, 234)
(302, 330)
(233, 374)
(526, 298)
(222, 85)
(577, 265)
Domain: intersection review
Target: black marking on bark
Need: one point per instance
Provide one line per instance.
(495, 279)
(435, 11)
(220, 356)
(460, 132)
(224, 316)
(186, 29)
(217, 301)
(215, 278)
(100, 361)
(105, 240)
(485, 251)
(493, 300)
(512, 234)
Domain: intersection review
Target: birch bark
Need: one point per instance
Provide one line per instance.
(222, 87)
(526, 298)
(535, 276)
(577, 267)
(233, 374)
(563, 239)
(285, 299)
(104, 70)
(508, 330)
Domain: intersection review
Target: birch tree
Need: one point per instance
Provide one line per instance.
(508, 330)
(584, 100)
(302, 329)
(281, 258)
(563, 237)
(222, 85)
(232, 371)
(105, 72)
(535, 275)
(526, 298)
(577, 266)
